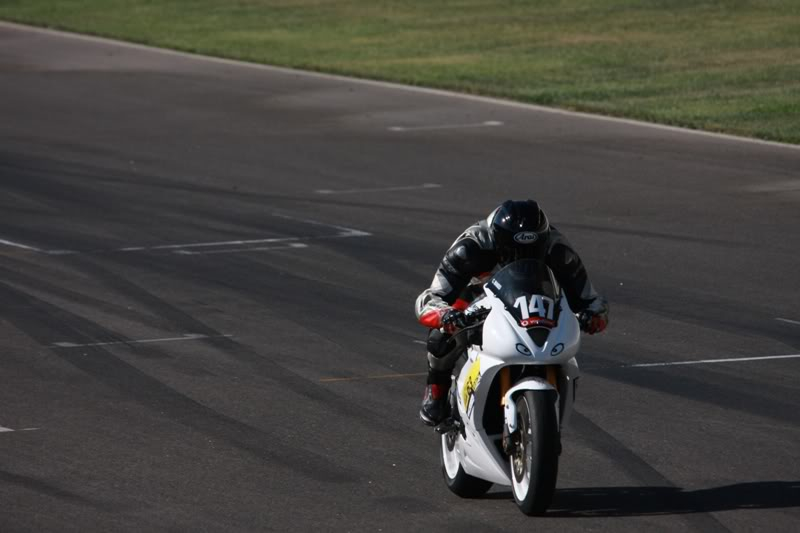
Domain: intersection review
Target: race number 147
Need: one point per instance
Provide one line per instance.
(541, 306)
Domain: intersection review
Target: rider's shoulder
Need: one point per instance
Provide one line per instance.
(475, 237)
(560, 251)
(469, 254)
(464, 249)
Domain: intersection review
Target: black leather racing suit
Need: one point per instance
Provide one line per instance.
(469, 262)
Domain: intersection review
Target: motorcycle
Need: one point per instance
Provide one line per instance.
(513, 394)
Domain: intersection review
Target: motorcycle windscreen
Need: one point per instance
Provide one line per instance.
(529, 292)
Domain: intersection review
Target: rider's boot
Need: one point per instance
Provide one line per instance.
(435, 404)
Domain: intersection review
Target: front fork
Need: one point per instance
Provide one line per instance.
(511, 439)
(509, 443)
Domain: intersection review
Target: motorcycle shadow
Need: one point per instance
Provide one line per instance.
(644, 501)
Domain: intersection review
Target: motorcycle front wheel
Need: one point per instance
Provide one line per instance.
(534, 461)
(458, 481)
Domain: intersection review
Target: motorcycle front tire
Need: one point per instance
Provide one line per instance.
(534, 464)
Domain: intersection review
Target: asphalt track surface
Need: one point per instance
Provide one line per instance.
(157, 380)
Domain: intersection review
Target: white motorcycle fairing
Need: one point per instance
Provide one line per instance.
(505, 343)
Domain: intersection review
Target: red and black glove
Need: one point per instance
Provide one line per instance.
(448, 319)
(453, 320)
(593, 323)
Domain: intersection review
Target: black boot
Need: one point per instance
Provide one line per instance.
(435, 405)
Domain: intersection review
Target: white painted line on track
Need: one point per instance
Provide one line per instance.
(384, 189)
(181, 249)
(346, 232)
(420, 342)
(486, 124)
(711, 361)
(18, 245)
(343, 232)
(9, 430)
(206, 244)
(59, 252)
(187, 337)
(235, 250)
(788, 321)
(395, 86)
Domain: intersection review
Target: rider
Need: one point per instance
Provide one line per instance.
(514, 230)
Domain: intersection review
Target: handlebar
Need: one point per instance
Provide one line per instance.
(475, 315)
(474, 319)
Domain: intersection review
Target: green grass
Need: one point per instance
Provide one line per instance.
(724, 65)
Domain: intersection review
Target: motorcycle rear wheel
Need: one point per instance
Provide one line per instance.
(458, 481)
(534, 462)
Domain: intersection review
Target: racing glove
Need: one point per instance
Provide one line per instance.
(453, 320)
(447, 318)
(593, 323)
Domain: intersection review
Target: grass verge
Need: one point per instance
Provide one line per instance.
(721, 65)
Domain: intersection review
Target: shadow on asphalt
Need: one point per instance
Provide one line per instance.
(642, 501)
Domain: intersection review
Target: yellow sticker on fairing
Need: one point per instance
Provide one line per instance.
(471, 382)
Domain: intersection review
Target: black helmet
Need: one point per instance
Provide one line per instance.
(520, 231)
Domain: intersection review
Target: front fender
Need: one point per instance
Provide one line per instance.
(530, 383)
